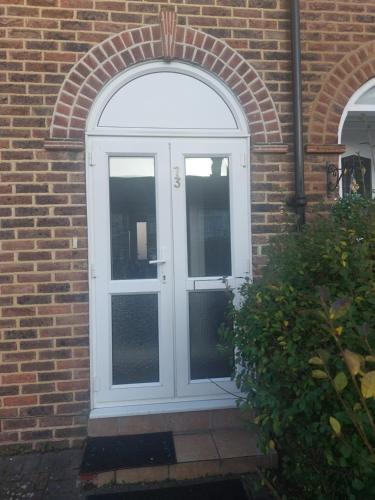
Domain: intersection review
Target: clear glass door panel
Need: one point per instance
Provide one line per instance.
(208, 216)
(207, 312)
(132, 217)
(135, 339)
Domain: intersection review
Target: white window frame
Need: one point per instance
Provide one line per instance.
(350, 107)
(153, 67)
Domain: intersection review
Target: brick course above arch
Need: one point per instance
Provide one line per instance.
(123, 50)
(348, 75)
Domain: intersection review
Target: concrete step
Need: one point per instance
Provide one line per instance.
(208, 453)
(182, 422)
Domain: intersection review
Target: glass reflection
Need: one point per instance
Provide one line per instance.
(208, 216)
(133, 217)
(207, 312)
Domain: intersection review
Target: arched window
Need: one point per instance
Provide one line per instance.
(357, 132)
(162, 98)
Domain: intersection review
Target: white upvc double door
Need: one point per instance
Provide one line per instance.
(169, 239)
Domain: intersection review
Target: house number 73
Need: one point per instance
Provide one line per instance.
(176, 177)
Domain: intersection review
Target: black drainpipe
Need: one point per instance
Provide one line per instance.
(300, 198)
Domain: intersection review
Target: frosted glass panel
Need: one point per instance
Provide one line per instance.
(135, 339)
(368, 97)
(208, 216)
(133, 217)
(207, 312)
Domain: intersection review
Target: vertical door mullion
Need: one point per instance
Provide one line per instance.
(180, 266)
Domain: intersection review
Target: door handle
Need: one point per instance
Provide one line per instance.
(157, 261)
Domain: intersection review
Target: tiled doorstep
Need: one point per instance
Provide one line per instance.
(176, 422)
(210, 453)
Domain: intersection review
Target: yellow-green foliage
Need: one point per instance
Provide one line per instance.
(306, 336)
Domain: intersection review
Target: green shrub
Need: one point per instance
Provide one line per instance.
(316, 299)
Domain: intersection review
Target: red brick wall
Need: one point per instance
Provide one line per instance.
(44, 365)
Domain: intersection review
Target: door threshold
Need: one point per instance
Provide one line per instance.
(169, 407)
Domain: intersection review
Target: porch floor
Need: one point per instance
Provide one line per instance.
(214, 443)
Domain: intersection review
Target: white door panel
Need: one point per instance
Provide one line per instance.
(117, 285)
(205, 229)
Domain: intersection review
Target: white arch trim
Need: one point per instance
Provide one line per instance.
(209, 109)
(352, 106)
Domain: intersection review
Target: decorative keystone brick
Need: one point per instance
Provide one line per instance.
(168, 20)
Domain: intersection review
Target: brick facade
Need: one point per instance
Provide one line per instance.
(46, 47)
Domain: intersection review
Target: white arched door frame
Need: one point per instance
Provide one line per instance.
(101, 142)
(352, 106)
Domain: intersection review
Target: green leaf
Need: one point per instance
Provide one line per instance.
(319, 374)
(340, 307)
(324, 355)
(336, 426)
(353, 361)
(358, 484)
(368, 385)
(340, 381)
(364, 330)
(370, 359)
(315, 361)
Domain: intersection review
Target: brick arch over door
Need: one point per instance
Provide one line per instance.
(348, 75)
(123, 50)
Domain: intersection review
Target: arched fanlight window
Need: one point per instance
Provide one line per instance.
(357, 132)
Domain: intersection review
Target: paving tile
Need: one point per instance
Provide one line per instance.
(60, 487)
(104, 478)
(194, 470)
(193, 447)
(241, 465)
(40, 480)
(142, 474)
(41, 476)
(143, 424)
(32, 463)
(16, 490)
(232, 443)
(103, 427)
(190, 421)
(13, 466)
(230, 418)
(49, 461)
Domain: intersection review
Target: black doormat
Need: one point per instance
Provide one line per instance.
(215, 490)
(121, 452)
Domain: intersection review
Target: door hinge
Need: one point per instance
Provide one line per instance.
(91, 159)
(244, 162)
(92, 271)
